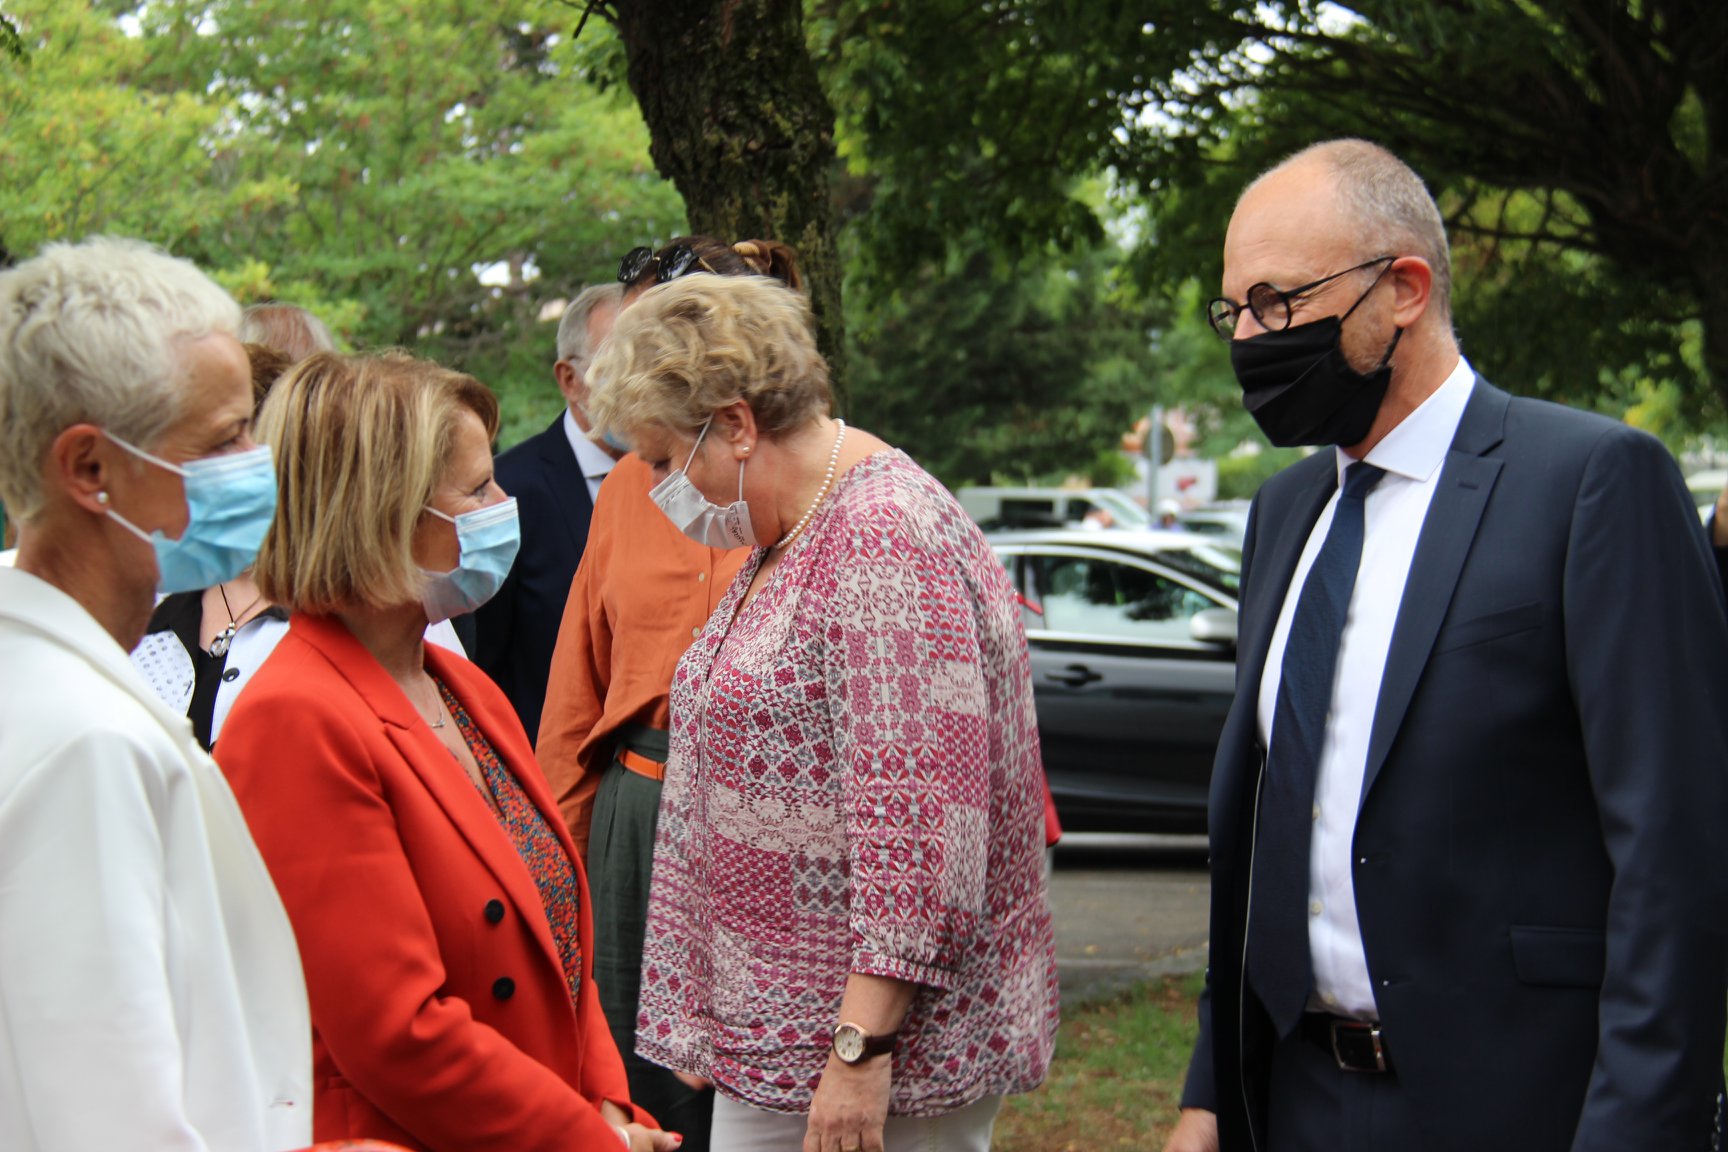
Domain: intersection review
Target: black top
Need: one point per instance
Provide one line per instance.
(183, 614)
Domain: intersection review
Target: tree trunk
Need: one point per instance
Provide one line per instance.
(740, 125)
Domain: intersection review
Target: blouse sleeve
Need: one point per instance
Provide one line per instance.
(907, 696)
(576, 694)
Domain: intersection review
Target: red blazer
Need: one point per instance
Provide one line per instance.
(441, 1019)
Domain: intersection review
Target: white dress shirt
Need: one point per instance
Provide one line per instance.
(594, 460)
(1412, 455)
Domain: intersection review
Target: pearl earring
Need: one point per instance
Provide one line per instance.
(102, 498)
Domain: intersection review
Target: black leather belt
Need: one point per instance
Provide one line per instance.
(1357, 1045)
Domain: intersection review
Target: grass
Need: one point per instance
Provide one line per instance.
(1116, 1078)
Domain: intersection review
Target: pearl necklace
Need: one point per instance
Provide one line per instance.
(827, 481)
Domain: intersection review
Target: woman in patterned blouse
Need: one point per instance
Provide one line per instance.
(848, 931)
(442, 915)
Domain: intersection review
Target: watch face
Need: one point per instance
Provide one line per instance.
(848, 1043)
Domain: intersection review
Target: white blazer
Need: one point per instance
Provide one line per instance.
(150, 987)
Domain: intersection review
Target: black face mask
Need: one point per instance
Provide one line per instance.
(1300, 389)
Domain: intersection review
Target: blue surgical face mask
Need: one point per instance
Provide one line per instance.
(230, 501)
(488, 538)
(700, 518)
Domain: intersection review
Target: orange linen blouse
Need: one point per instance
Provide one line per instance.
(642, 593)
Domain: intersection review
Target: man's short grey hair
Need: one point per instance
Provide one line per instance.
(573, 327)
(287, 329)
(94, 333)
(1388, 200)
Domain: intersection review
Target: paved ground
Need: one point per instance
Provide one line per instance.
(1128, 908)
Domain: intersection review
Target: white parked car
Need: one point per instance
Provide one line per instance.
(997, 509)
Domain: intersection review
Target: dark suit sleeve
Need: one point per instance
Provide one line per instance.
(1647, 653)
(1201, 1088)
(1721, 554)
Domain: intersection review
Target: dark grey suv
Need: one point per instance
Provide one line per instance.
(1133, 642)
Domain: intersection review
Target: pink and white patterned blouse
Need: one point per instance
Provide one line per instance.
(855, 786)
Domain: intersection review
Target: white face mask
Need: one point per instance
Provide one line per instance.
(696, 516)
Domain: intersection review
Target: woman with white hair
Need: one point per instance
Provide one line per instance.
(150, 986)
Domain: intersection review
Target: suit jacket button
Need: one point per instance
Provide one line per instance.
(494, 911)
(503, 988)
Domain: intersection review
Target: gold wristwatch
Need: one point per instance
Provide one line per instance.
(854, 1045)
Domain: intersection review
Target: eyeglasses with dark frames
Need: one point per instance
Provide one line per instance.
(1270, 306)
(679, 260)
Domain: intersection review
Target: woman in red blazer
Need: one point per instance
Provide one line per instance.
(441, 911)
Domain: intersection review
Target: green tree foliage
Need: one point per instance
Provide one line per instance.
(366, 158)
(1578, 147)
(988, 371)
(969, 120)
(84, 148)
(10, 44)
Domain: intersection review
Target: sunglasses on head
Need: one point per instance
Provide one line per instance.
(679, 260)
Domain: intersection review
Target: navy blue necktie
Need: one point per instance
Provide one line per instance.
(1278, 958)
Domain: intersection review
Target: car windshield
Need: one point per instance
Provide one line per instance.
(1127, 513)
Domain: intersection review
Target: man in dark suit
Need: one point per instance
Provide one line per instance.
(1468, 813)
(555, 477)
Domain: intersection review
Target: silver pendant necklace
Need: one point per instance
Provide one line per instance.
(225, 638)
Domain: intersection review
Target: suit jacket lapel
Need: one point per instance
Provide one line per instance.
(1467, 479)
(429, 760)
(564, 478)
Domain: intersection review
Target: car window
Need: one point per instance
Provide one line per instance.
(1098, 597)
(1217, 564)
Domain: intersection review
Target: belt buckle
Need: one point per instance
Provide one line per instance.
(1372, 1031)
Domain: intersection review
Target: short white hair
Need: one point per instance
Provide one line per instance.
(573, 325)
(93, 333)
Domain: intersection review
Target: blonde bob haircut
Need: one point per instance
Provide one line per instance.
(360, 443)
(690, 347)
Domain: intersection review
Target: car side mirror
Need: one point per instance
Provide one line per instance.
(1214, 626)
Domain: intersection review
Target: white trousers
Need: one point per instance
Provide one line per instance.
(741, 1128)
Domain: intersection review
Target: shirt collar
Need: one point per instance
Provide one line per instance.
(594, 460)
(33, 603)
(1417, 447)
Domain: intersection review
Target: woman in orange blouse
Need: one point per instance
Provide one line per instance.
(642, 593)
(442, 915)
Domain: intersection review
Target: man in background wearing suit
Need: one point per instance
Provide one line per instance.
(1468, 814)
(555, 477)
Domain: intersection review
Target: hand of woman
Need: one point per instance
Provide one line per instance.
(651, 1139)
(850, 1106)
(642, 1139)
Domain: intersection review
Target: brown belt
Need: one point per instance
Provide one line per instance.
(641, 765)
